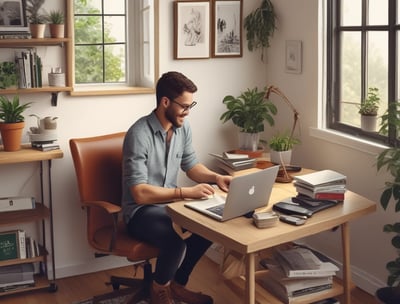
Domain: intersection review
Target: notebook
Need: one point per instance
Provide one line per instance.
(246, 193)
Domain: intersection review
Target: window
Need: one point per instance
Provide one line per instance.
(114, 46)
(362, 53)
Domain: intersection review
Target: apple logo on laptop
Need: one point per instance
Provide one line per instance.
(252, 190)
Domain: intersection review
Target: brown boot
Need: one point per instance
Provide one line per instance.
(161, 294)
(180, 293)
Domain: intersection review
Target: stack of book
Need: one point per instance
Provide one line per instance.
(16, 276)
(15, 244)
(29, 68)
(45, 145)
(296, 272)
(231, 161)
(323, 185)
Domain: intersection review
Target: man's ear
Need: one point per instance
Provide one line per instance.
(165, 101)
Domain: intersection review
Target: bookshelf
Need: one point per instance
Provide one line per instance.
(41, 214)
(65, 43)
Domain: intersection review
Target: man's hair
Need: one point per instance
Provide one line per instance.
(172, 85)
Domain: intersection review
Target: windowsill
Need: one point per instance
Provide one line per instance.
(348, 141)
(109, 90)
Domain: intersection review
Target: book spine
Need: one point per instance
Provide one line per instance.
(22, 244)
(308, 290)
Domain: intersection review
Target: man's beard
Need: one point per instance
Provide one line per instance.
(173, 118)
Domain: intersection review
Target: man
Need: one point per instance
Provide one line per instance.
(155, 147)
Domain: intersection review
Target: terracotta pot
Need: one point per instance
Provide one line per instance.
(11, 135)
(56, 30)
(37, 30)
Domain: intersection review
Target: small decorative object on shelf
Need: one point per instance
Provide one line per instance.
(44, 136)
(56, 78)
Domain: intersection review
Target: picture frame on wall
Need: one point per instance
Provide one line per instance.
(13, 16)
(227, 28)
(191, 29)
(293, 56)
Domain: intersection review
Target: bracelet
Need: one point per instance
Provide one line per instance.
(175, 193)
(180, 191)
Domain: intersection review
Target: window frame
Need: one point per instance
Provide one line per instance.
(118, 89)
(333, 65)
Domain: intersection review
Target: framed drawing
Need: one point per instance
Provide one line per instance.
(192, 29)
(293, 56)
(227, 28)
(13, 16)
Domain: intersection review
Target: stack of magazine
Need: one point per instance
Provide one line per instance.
(231, 161)
(324, 185)
(296, 272)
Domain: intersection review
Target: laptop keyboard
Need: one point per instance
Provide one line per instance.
(219, 209)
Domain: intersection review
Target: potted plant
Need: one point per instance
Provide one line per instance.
(12, 122)
(260, 26)
(249, 111)
(369, 110)
(37, 20)
(281, 146)
(8, 75)
(56, 23)
(389, 159)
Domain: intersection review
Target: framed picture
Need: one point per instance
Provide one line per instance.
(192, 29)
(227, 28)
(293, 56)
(13, 16)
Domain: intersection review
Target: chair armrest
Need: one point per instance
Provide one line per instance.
(107, 206)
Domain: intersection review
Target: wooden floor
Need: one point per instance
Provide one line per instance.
(205, 278)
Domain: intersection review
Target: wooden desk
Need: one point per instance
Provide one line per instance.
(241, 235)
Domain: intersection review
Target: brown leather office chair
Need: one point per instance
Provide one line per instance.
(98, 167)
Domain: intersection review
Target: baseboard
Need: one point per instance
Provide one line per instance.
(98, 264)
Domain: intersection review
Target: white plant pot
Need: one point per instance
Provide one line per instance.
(279, 157)
(368, 122)
(249, 141)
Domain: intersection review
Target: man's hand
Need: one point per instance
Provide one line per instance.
(223, 182)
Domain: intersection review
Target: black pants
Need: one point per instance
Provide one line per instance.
(177, 257)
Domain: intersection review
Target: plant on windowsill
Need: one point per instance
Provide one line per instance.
(260, 26)
(37, 19)
(12, 122)
(369, 110)
(56, 23)
(389, 159)
(249, 111)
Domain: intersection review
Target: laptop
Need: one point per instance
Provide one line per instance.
(246, 193)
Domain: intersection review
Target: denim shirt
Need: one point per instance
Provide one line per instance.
(146, 159)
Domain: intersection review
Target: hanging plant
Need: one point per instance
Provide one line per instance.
(260, 26)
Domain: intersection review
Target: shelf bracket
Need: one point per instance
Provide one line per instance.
(54, 98)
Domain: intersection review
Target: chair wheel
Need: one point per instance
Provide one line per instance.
(115, 286)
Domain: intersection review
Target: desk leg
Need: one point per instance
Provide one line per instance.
(346, 262)
(250, 278)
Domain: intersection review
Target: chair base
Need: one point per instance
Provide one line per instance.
(141, 285)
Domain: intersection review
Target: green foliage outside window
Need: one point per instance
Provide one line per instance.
(94, 61)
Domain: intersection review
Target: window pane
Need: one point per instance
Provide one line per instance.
(350, 78)
(114, 29)
(378, 65)
(378, 12)
(89, 59)
(351, 12)
(87, 6)
(114, 7)
(114, 63)
(88, 29)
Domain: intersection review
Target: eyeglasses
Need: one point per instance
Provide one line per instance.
(184, 107)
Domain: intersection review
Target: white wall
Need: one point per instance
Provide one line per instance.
(87, 116)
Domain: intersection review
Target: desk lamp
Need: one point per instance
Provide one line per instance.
(286, 178)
